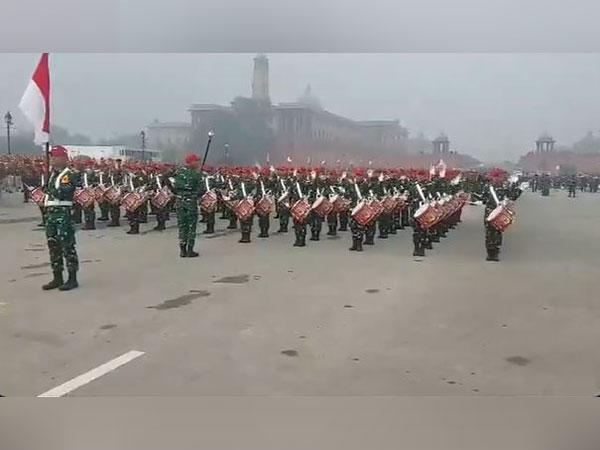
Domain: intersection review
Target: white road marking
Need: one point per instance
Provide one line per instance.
(87, 377)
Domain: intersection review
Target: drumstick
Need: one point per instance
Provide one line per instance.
(420, 191)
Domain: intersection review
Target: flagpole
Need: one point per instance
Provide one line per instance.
(47, 160)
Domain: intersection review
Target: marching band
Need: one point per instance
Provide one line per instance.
(363, 201)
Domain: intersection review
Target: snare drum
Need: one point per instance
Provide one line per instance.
(426, 215)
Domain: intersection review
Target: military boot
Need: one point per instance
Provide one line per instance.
(210, 228)
(183, 250)
(56, 282)
(492, 254)
(134, 228)
(354, 244)
(190, 253)
(71, 282)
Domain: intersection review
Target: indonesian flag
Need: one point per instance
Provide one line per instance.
(35, 103)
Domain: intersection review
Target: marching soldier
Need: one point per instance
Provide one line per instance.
(137, 182)
(186, 187)
(89, 213)
(356, 229)
(60, 232)
(116, 178)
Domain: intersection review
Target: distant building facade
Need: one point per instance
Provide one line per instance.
(252, 128)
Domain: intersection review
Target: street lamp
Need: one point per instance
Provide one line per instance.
(9, 123)
(143, 136)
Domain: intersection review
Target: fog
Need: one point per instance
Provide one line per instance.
(492, 106)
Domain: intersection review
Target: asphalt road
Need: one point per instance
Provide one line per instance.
(268, 318)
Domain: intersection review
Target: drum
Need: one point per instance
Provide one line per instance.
(341, 204)
(283, 201)
(300, 210)
(389, 204)
(264, 206)
(99, 193)
(84, 197)
(244, 209)
(426, 215)
(113, 195)
(377, 208)
(501, 217)
(161, 198)
(132, 201)
(322, 206)
(38, 196)
(208, 202)
(363, 213)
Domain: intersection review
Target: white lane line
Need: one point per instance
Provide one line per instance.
(87, 377)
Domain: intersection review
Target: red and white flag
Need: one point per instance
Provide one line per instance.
(35, 103)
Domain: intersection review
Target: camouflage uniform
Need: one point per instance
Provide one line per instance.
(60, 232)
(186, 186)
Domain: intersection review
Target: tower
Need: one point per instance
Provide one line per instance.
(260, 80)
(441, 144)
(545, 143)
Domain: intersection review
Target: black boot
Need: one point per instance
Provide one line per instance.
(232, 224)
(134, 228)
(492, 255)
(263, 233)
(71, 282)
(369, 240)
(160, 226)
(182, 250)
(359, 247)
(210, 228)
(114, 223)
(89, 226)
(314, 236)
(245, 237)
(354, 244)
(190, 253)
(56, 282)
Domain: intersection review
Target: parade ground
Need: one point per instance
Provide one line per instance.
(266, 318)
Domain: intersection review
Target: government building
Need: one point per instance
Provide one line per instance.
(254, 130)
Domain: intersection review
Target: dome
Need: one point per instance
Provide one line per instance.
(309, 99)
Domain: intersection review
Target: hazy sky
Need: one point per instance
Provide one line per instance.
(492, 106)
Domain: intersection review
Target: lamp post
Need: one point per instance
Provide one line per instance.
(143, 136)
(9, 123)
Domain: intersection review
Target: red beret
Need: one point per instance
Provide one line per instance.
(191, 158)
(58, 151)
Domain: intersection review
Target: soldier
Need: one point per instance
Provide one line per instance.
(116, 178)
(103, 204)
(89, 213)
(356, 229)
(60, 233)
(186, 187)
(283, 206)
(207, 216)
(572, 186)
(246, 189)
(138, 181)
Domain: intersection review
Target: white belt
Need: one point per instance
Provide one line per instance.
(57, 203)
